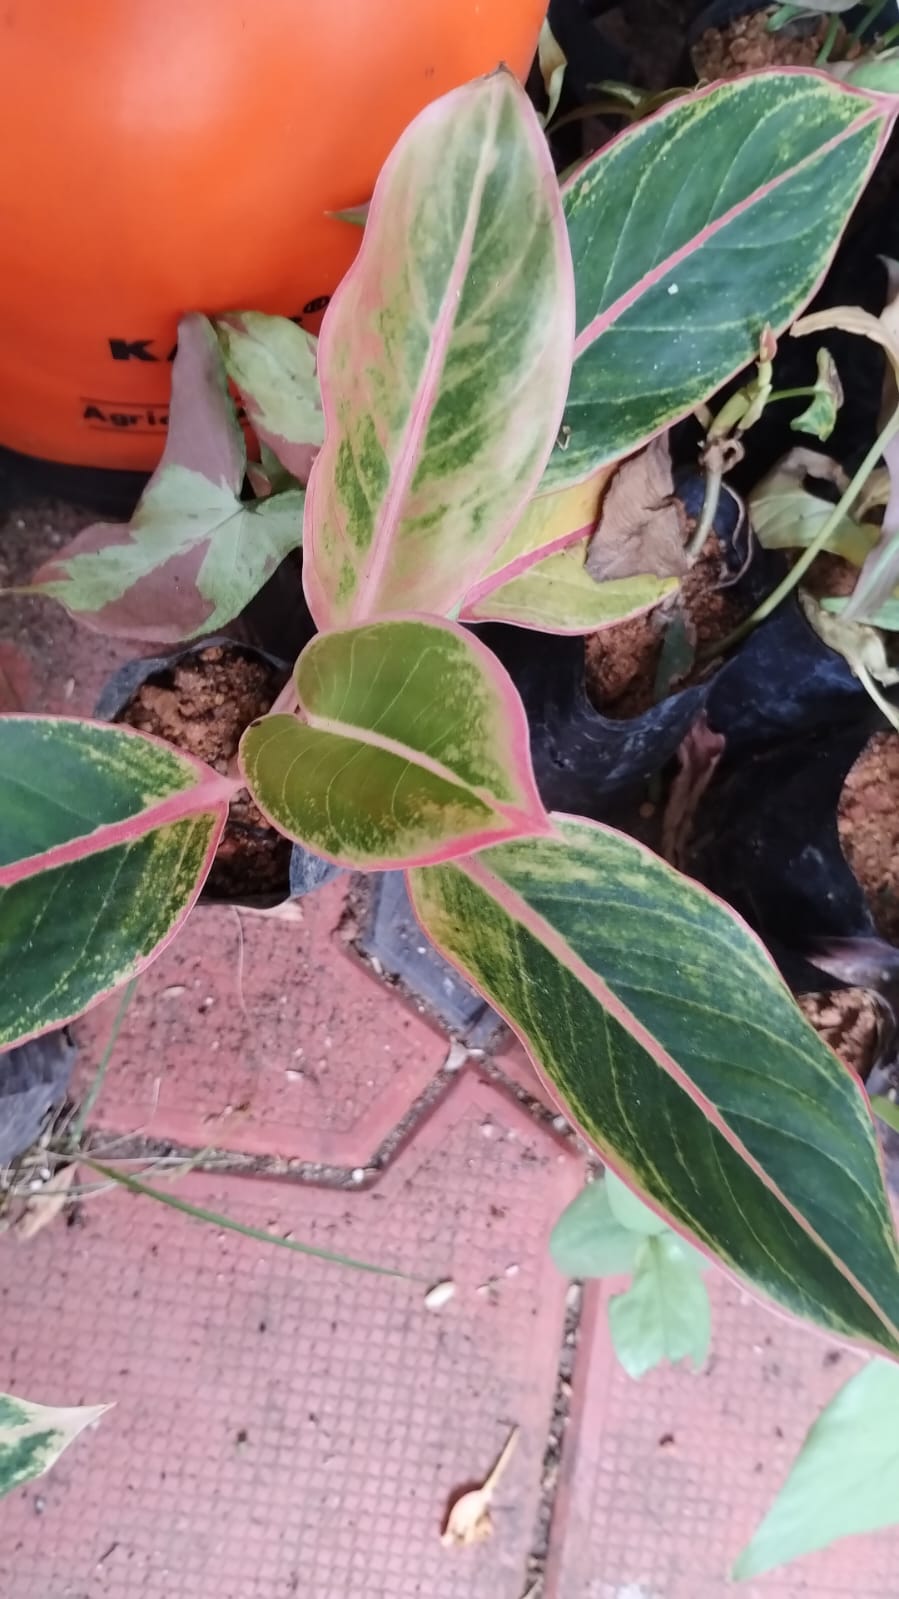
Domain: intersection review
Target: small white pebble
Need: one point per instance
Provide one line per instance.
(293, 1077)
(672, 288)
(358, 1174)
(513, 1270)
(439, 1295)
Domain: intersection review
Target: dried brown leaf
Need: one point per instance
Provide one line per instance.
(45, 1204)
(469, 1520)
(699, 754)
(642, 526)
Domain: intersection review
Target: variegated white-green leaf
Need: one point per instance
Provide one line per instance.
(32, 1436)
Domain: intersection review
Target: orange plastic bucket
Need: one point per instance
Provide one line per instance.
(158, 156)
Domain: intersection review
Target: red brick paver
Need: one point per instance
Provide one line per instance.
(283, 1426)
(265, 1036)
(664, 1480)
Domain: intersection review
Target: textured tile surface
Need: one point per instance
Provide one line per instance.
(283, 1426)
(266, 1036)
(664, 1481)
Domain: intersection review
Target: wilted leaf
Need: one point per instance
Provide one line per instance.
(820, 415)
(443, 363)
(411, 744)
(469, 1520)
(665, 1314)
(271, 362)
(880, 574)
(32, 1437)
(786, 515)
(46, 1204)
(844, 1480)
(193, 554)
(588, 1240)
(642, 525)
(552, 62)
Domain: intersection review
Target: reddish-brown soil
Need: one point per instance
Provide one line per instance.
(202, 705)
(622, 662)
(850, 1021)
(745, 45)
(869, 829)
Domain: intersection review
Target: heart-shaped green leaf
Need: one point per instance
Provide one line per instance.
(32, 1437)
(444, 359)
(844, 1480)
(690, 233)
(194, 554)
(669, 1035)
(665, 1314)
(106, 838)
(588, 1240)
(411, 745)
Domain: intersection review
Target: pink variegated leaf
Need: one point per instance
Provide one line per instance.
(410, 744)
(668, 1036)
(194, 554)
(444, 358)
(558, 595)
(271, 363)
(106, 837)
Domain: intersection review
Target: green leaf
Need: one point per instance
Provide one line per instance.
(32, 1437)
(820, 415)
(443, 359)
(787, 516)
(106, 838)
(886, 1109)
(845, 1479)
(690, 233)
(558, 595)
(665, 1314)
(630, 1212)
(411, 745)
(272, 363)
(589, 1241)
(194, 554)
(668, 1034)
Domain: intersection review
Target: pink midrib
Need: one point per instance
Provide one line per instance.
(210, 795)
(519, 910)
(364, 602)
(606, 319)
(522, 564)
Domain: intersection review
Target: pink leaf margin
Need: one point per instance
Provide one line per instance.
(331, 332)
(479, 873)
(211, 795)
(525, 819)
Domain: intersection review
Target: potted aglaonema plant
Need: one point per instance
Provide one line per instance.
(483, 365)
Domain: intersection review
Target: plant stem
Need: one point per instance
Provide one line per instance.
(880, 700)
(781, 17)
(830, 39)
(871, 15)
(214, 1219)
(804, 561)
(711, 497)
(890, 37)
(90, 1099)
(791, 394)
